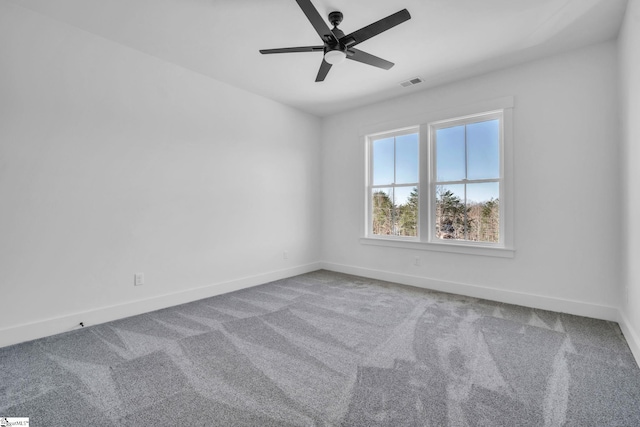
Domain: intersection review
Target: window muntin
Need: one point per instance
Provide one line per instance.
(467, 180)
(393, 190)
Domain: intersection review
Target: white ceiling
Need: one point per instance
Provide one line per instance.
(444, 41)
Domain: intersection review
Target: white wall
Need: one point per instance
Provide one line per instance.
(629, 44)
(566, 185)
(114, 162)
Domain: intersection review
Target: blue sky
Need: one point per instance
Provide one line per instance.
(482, 160)
(406, 161)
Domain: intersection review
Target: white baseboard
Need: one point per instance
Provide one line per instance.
(52, 326)
(631, 335)
(578, 308)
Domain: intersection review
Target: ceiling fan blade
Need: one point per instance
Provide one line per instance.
(293, 49)
(376, 28)
(318, 22)
(322, 72)
(367, 58)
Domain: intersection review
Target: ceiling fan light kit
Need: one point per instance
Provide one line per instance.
(334, 57)
(337, 46)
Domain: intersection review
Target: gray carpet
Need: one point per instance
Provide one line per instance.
(326, 349)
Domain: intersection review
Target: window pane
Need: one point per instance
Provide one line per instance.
(407, 159)
(450, 156)
(383, 161)
(483, 192)
(483, 204)
(382, 211)
(450, 212)
(483, 150)
(406, 202)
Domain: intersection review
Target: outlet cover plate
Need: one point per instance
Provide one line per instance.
(138, 279)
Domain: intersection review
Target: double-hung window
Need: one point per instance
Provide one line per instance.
(443, 184)
(466, 179)
(393, 193)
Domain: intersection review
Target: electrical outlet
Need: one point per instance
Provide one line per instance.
(416, 261)
(138, 279)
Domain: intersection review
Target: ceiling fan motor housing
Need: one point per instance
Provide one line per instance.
(330, 45)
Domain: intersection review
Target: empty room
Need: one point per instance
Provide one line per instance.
(320, 213)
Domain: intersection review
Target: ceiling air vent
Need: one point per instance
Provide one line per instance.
(411, 82)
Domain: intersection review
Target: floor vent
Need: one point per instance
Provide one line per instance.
(411, 82)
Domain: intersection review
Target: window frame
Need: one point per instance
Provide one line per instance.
(432, 128)
(370, 186)
(424, 241)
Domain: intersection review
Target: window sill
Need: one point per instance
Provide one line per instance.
(456, 248)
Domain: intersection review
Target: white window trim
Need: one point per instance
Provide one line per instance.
(506, 249)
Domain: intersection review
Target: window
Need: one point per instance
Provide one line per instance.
(466, 179)
(393, 196)
(445, 184)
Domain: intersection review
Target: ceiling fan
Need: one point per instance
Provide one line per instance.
(337, 46)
